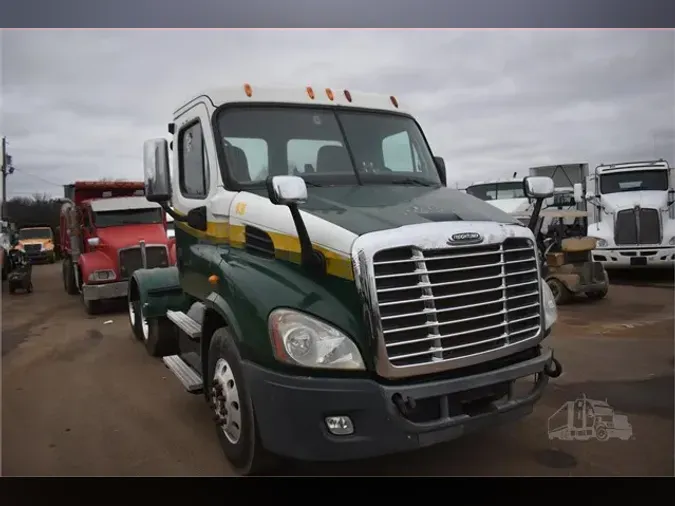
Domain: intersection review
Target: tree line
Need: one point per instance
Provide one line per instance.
(36, 211)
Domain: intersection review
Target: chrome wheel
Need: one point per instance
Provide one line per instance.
(225, 401)
(132, 314)
(144, 323)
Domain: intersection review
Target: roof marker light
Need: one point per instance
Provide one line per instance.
(310, 92)
(394, 101)
(248, 90)
(329, 94)
(348, 96)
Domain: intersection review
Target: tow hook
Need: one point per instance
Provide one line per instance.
(553, 369)
(404, 405)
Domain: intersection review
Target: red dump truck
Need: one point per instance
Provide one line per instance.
(108, 230)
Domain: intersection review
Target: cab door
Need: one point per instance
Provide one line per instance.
(196, 185)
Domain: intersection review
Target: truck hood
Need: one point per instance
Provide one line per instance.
(115, 238)
(628, 200)
(369, 208)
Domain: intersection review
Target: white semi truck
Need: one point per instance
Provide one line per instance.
(632, 215)
(508, 195)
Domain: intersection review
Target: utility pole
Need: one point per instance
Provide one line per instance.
(3, 159)
(6, 170)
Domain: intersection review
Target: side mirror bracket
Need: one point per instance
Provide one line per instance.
(538, 188)
(290, 191)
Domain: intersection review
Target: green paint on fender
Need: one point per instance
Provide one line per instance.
(158, 290)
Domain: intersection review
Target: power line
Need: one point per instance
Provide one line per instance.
(24, 171)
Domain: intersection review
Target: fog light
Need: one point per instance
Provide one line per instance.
(340, 425)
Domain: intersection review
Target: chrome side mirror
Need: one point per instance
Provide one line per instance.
(287, 190)
(538, 187)
(156, 171)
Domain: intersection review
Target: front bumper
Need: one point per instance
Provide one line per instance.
(290, 410)
(105, 290)
(635, 257)
(40, 256)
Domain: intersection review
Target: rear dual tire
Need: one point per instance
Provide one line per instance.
(158, 334)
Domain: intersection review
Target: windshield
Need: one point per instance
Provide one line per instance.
(35, 233)
(637, 180)
(104, 219)
(497, 191)
(325, 146)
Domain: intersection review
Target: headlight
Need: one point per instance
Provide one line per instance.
(104, 275)
(672, 241)
(550, 308)
(299, 339)
(600, 243)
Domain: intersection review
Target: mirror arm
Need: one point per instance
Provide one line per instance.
(311, 259)
(173, 213)
(534, 217)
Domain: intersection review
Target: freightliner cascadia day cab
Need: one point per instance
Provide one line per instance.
(332, 298)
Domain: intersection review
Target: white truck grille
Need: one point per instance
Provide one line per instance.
(449, 303)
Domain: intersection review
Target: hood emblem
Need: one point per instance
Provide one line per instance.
(465, 238)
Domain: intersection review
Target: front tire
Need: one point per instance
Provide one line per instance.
(233, 408)
(92, 307)
(69, 284)
(134, 319)
(560, 292)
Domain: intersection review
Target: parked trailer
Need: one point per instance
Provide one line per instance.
(567, 178)
(324, 320)
(108, 230)
(633, 214)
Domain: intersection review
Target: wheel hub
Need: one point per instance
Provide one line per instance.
(225, 401)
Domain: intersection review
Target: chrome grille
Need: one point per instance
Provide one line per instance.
(637, 226)
(131, 260)
(444, 304)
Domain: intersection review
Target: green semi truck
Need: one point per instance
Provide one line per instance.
(332, 299)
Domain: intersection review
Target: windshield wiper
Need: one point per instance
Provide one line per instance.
(412, 181)
(315, 185)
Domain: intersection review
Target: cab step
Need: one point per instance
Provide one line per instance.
(190, 379)
(185, 323)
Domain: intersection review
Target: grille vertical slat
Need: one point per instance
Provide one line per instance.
(438, 305)
(650, 226)
(637, 226)
(131, 260)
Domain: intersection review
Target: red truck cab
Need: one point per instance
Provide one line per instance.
(109, 229)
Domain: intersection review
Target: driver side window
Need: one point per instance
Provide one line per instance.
(399, 154)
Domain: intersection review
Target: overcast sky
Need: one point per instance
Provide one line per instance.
(79, 104)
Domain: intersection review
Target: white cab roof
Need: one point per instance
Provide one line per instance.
(631, 166)
(297, 95)
(122, 204)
